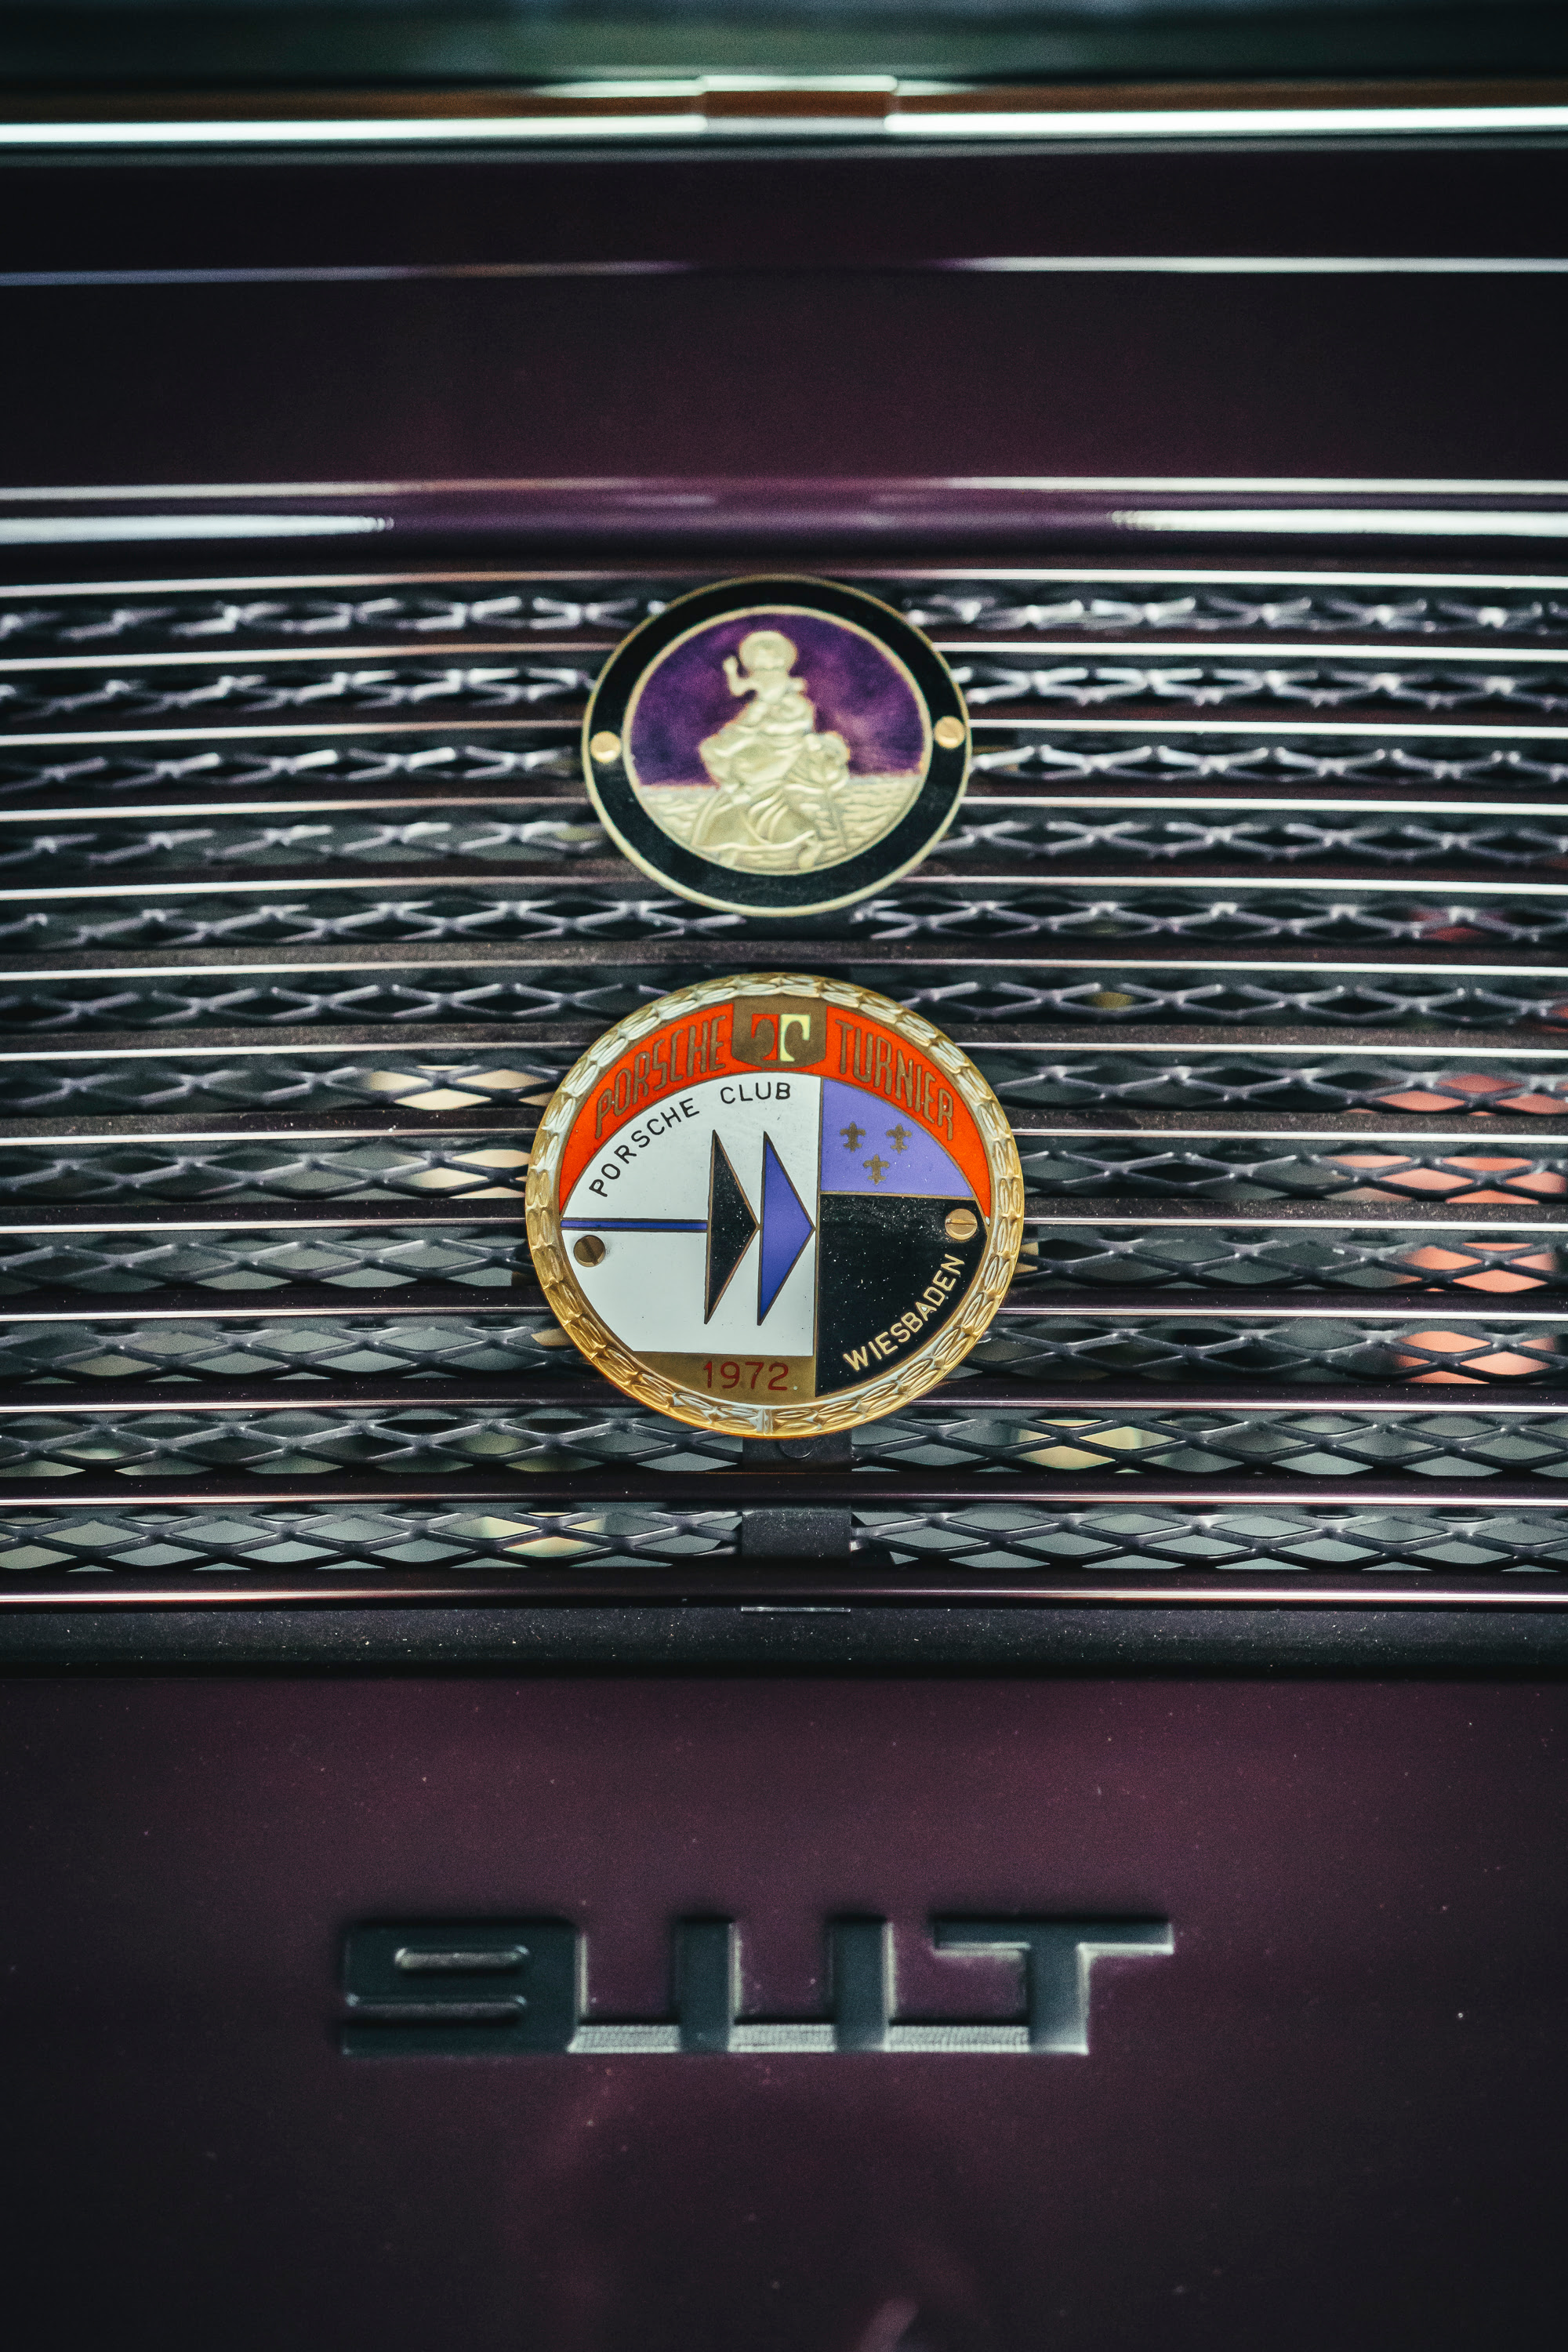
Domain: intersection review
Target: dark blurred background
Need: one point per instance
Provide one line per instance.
(84, 44)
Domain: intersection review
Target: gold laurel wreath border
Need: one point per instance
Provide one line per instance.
(850, 1408)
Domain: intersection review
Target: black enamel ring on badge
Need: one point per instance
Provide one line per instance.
(776, 746)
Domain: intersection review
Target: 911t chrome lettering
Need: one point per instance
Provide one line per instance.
(503, 1986)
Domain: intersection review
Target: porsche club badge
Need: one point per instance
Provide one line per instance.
(774, 1204)
(775, 746)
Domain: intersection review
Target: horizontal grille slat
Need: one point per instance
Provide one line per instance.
(123, 695)
(1118, 991)
(1225, 905)
(328, 1429)
(1168, 1163)
(424, 607)
(1376, 841)
(1376, 1244)
(293, 1545)
(1247, 1076)
(184, 1333)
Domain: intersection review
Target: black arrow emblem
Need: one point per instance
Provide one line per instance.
(730, 1225)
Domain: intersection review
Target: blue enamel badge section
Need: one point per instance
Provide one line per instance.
(786, 1229)
(868, 1146)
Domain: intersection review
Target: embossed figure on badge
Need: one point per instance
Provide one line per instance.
(778, 1205)
(841, 768)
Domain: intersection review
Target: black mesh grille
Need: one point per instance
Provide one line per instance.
(67, 770)
(123, 695)
(994, 830)
(508, 833)
(429, 1436)
(958, 993)
(422, 612)
(1504, 1169)
(977, 1541)
(1253, 916)
(984, 1537)
(1061, 1261)
(1228, 914)
(1198, 1344)
(312, 1324)
(425, 1341)
(1185, 835)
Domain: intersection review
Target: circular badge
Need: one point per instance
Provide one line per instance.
(774, 1206)
(775, 746)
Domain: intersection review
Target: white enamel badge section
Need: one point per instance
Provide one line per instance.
(707, 1214)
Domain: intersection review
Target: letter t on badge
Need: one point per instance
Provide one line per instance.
(1057, 1956)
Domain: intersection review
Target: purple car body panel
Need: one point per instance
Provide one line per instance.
(1332, 2116)
(1332, 2112)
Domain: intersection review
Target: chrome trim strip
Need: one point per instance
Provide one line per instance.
(415, 649)
(981, 794)
(748, 955)
(483, 1208)
(1267, 122)
(716, 1489)
(1117, 1302)
(593, 1591)
(1338, 729)
(683, 110)
(479, 1209)
(1244, 265)
(1401, 522)
(1190, 265)
(557, 794)
(1521, 1055)
(463, 1392)
(94, 529)
(1234, 485)
(1507, 652)
(502, 880)
(16, 281)
(1151, 1129)
(391, 131)
(439, 1302)
(590, 576)
(568, 727)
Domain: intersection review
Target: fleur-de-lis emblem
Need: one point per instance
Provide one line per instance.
(898, 1137)
(854, 1137)
(875, 1168)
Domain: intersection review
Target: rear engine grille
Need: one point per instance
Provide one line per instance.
(1255, 915)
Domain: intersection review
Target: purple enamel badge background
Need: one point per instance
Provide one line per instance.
(855, 686)
(922, 1168)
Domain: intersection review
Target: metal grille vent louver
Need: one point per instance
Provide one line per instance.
(1255, 916)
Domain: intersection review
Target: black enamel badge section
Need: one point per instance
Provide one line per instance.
(731, 1225)
(889, 1278)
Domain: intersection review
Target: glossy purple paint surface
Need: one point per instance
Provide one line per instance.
(813, 327)
(1334, 2117)
(888, 372)
(805, 208)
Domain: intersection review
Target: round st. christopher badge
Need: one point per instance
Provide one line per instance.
(775, 746)
(774, 1206)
